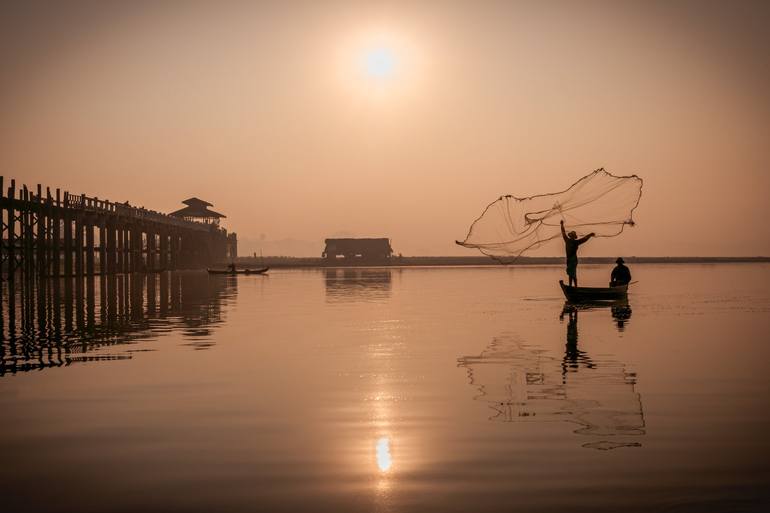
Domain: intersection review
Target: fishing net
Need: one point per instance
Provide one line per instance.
(599, 202)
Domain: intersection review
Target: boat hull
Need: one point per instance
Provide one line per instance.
(587, 294)
(261, 270)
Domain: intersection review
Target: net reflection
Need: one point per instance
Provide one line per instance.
(523, 382)
(54, 323)
(355, 284)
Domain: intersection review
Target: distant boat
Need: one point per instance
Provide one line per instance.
(261, 270)
(578, 294)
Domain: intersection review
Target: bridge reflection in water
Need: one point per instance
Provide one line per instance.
(56, 322)
(523, 382)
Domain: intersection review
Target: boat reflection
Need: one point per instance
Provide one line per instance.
(356, 284)
(622, 314)
(620, 310)
(523, 382)
(54, 323)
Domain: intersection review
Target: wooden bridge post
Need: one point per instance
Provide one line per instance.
(22, 218)
(49, 218)
(137, 263)
(89, 226)
(102, 245)
(184, 257)
(121, 249)
(56, 234)
(150, 248)
(29, 228)
(189, 250)
(174, 243)
(67, 215)
(131, 248)
(78, 245)
(12, 239)
(126, 249)
(163, 249)
(41, 232)
(109, 231)
(27, 234)
(128, 238)
(210, 250)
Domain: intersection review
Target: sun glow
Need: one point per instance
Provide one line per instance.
(377, 63)
(380, 63)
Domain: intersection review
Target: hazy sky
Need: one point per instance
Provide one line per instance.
(276, 114)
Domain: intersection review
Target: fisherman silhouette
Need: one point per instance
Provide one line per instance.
(571, 243)
(621, 275)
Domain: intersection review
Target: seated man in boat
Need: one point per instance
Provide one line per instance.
(231, 267)
(621, 275)
(571, 243)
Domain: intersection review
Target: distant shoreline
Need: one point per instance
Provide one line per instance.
(416, 261)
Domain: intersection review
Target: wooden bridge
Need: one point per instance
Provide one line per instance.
(61, 234)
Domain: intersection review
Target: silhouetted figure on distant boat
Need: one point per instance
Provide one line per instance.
(571, 243)
(621, 275)
(231, 267)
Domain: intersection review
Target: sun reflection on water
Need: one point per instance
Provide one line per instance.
(384, 459)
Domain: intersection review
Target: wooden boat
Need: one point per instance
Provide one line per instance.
(261, 270)
(583, 294)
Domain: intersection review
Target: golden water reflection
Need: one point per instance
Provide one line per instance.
(349, 285)
(382, 421)
(384, 459)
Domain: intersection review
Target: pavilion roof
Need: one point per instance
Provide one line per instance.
(197, 202)
(197, 208)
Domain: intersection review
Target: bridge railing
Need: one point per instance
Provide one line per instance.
(87, 203)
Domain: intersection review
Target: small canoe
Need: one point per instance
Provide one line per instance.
(579, 294)
(261, 270)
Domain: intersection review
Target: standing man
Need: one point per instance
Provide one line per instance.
(571, 244)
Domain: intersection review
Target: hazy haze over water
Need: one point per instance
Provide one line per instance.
(387, 389)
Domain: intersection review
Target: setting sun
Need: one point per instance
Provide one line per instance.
(380, 63)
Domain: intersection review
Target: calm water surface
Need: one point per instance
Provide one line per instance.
(419, 389)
